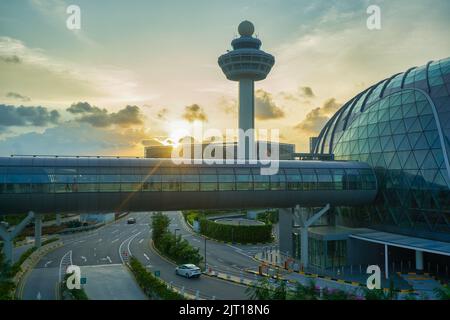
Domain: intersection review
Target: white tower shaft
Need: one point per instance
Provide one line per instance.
(247, 116)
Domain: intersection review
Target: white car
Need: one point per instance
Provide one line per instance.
(188, 271)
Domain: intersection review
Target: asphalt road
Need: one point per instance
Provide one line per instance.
(228, 258)
(114, 243)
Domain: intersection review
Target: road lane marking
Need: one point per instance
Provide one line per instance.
(109, 259)
(142, 240)
(115, 240)
(66, 260)
(84, 258)
(195, 239)
(130, 238)
(47, 263)
(146, 257)
(117, 230)
(100, 240)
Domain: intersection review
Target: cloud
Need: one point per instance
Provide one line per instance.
(27, 116)
(317, 118)
(162, 113)
(302, 94)
(306, 92)
(18, 96)
(194, 112)
(126, 117)
(10, 59)
(228, 105)
(72, 138)
(63, 80)
(265, 107)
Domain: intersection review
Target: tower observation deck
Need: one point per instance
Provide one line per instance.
(246, 63)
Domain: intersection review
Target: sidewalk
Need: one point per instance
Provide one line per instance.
(350, 278)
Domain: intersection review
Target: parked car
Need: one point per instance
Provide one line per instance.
(188, 271)
(131, 220)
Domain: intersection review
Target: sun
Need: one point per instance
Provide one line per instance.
(178, 130)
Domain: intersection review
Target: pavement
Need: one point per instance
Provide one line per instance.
(114, 243)
(111, 282)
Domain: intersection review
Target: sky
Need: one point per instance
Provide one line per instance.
(138, 71)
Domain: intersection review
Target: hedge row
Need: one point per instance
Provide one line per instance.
(233, 233)
(153, 287)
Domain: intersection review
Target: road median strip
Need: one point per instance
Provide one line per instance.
(30, 263)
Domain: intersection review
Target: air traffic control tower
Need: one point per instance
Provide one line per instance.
(246, 63)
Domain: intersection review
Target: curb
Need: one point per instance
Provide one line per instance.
(191, 230)
(223, 277)
(30, 263)
(314, 275)
(186, 295)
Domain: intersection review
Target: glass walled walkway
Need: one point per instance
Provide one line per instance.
(69, 184)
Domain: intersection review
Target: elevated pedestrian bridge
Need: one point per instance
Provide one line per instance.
(95, 184)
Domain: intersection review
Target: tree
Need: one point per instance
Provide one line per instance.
(6, 284)
(260, 291)
(280, 292)
(381, 294)
(443, 293)
(308, 292)
(160, 225)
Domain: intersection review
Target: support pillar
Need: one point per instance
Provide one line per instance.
(8, 245)
(8, 236)
(37, 230)
(386, 261)
(304, 247)
(285, 230)
(305, 224)
(419, 261)
(58, 219)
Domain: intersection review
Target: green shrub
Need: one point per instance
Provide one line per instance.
(50, 241)
(153, 287)
(175, 248)
(232, 233)
(74, 294)
(6, 284)
(269, 216)
(16, 266)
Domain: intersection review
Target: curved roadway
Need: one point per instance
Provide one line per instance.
(111, 244)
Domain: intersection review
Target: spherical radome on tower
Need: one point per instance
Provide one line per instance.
(246, 28)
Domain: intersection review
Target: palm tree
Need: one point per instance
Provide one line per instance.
(260, 290)
(308, 292)
(380, 294)
(443, 293)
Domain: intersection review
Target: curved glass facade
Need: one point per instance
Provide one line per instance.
(401, 127)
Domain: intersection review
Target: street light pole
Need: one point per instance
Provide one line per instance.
(205, 255)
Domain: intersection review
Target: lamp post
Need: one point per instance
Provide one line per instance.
(205, 256)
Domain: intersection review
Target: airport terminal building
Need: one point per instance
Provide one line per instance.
(401, 128)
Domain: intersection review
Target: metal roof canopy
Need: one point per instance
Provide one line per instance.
(407, 242)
